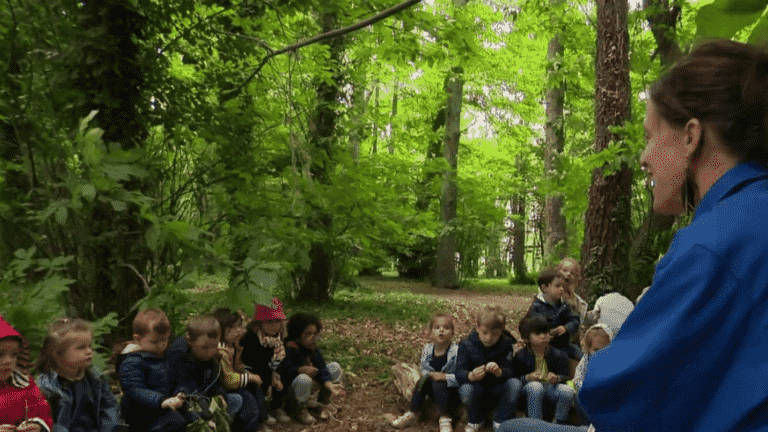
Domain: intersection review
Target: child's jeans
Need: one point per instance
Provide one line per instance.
(534, 425)
(476, 396)
(438, 391)
(561, 394)
(302, 385)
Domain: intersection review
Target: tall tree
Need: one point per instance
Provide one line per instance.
(556, 245)
(607, 227)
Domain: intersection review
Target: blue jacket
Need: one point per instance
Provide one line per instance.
(62, 401)
(144, 379)
(693, 355)
(524, 362)
(190, 376)
(296, 357)
(450, 366)
(472, 353)
(560, 315)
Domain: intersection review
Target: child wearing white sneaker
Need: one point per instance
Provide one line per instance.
(438, 364)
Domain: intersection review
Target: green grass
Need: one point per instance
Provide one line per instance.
(497, 286)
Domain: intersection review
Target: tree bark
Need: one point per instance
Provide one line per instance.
(606, 237)
(316, 283)
(445, 266)
(391, 142)
(518, 237)
(556, 246)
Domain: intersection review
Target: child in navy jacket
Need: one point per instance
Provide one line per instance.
(542, 370)
(148, 403)
(484, 369)
(563, 320)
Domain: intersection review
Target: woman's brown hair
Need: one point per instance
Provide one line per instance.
(723, 84)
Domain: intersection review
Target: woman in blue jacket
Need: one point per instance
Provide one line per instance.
(693, 355)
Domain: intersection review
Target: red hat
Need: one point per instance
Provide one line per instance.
(268, 313)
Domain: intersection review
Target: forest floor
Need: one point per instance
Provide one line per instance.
(370, 343)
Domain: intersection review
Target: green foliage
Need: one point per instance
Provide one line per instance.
(726, 18)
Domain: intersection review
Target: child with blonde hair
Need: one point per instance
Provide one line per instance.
(570, 271)
(438, 381)
(263, 352)
(484, 369)
(24, 409)
(148, 403)
(79, 395)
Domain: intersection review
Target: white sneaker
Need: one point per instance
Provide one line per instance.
(270, 420)
(445, 424)
(472, 427)
(405, 420)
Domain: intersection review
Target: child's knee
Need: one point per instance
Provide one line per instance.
(335, 371)
(533, 387)
(469, 392)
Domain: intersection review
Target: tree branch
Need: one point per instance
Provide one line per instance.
(319, 38)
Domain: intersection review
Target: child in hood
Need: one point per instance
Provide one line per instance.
(24, 409)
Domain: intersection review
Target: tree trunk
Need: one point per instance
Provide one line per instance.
(556, 246)
(316, 283)
(608, 224)
(445, 266)
(518, 237)
(650, 240)
(391, 142)
(375, 127)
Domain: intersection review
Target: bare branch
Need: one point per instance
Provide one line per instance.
(319, 38)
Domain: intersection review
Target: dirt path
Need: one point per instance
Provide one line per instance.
(370, 401)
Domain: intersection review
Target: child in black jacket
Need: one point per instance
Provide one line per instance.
(542, 370)
(563, 321)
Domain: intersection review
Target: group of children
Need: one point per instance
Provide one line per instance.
(219, 370)
(490, 369)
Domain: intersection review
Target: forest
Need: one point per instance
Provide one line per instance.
(293, 145)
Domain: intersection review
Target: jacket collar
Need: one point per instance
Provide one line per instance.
(729, 183)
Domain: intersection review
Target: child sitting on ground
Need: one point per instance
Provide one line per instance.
(148, 404)
(548, 303)
(232, 330)
(194, 366)
(263, 351)
(595, 338)
(304, 368)
(570, 271)
(542, 370)
(24, 409)
(438, 364)
(484, 369)
(79, 396)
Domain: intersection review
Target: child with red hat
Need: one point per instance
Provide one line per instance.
(263, 351)
(24, 409)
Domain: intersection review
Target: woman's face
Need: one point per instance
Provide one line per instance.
(665, 158)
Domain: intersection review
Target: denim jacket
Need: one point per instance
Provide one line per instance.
(62, 401)
(450, 367)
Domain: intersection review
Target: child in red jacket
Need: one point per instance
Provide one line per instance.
(22, 406)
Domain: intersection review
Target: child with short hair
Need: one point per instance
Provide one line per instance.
(24, 408)
(232, 330)
(558, 313)
(262, 352)
(304, 368)
(438, 381)
(148, 403)
(194, 364)
(484, 369)
(542, 369)
(79, 396)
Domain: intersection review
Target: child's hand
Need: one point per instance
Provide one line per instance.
(533, 376)
(552, 378)
(308, 370)
(477, 373)
(493, 368)
(173, 403)
(254, 379)
(335, 389)
(276, 382)
(557, 331)
(437, 376)
(28, 426)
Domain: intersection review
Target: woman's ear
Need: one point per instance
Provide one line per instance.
(693, 134)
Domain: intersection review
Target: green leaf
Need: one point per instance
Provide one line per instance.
(759, 35)
(88, 191)
(92, 146)
(61, 215)
(152, 236)
(724, 18)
